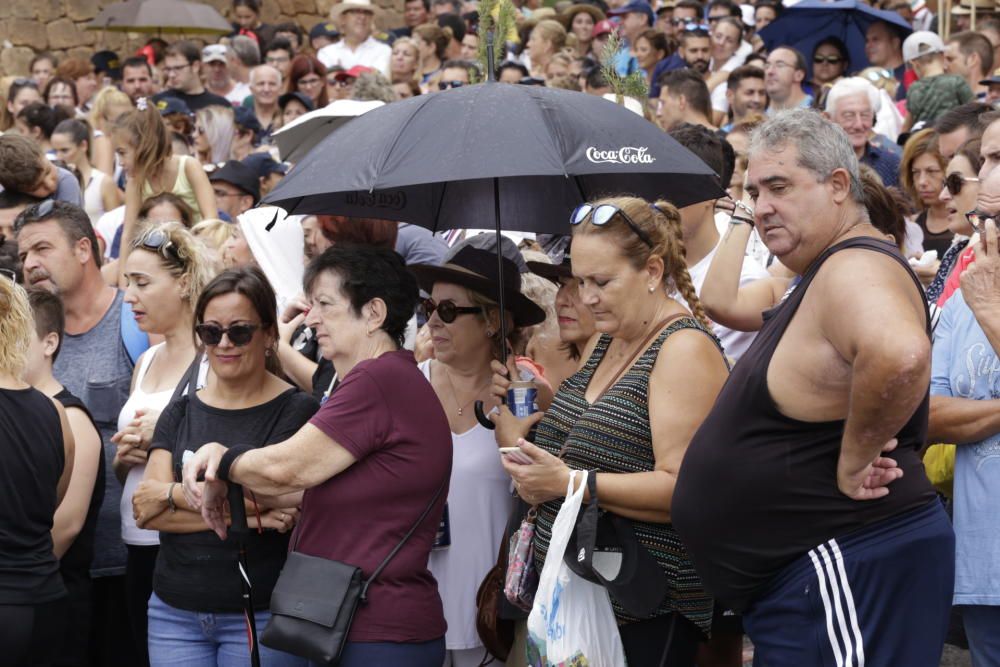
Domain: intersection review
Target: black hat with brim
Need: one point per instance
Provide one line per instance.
(476, 270)
(552, 271)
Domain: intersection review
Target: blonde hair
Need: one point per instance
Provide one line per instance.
(411, 43)
(104, 100)
(553, 32)
(192, 261)
(661, 222)
(543, 292)
(17, 326)
(219, 126)
(490, 317)
(214, 233)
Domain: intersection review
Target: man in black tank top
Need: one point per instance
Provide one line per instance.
(802, 498)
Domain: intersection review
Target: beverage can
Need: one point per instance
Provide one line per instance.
(443, 538)
(521, 398)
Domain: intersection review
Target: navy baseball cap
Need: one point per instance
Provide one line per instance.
(170, 105)
(107, 62)
(635, 7)
(296, 95)
(994, 78)
(245, 117)
(264, 165)
(326, 29)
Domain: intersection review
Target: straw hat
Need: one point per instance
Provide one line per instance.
(982, 7)
(361, 5)
(567, 16)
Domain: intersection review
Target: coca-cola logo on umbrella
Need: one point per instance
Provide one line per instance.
(623, 155)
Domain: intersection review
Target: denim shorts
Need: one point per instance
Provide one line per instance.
(196, 639)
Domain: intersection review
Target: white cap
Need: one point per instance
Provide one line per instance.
(921, 43)
(214, 53)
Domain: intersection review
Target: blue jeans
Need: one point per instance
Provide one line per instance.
(981, 624)
(391, 654)
(195, 639)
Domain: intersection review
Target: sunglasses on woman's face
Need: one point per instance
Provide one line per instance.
(954, 182)
(978, 220)
(239, 334)
(446, 310)
(829, 60)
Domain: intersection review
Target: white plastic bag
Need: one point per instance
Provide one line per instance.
(571, 623)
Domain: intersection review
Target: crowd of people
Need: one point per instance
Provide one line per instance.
(174, 354)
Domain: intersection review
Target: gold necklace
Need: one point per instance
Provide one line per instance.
(454, 393)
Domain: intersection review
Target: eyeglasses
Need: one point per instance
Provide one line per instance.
(778, 64)
(954, 182)
(876, 75)
(174, 70)
(828, 60)
(239, 334)
(277, 60)
(978, 220)
(446, 310)
(341, 83)
(445, 85)
(696, 27)
(9, 274)
(602, 214)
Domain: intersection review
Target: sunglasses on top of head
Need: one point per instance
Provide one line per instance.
(239, 334)
(446, 310)
(602, 214)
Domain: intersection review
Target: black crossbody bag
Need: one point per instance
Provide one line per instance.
(314, 600)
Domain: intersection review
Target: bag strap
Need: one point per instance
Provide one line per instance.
(409, 533)
(190, 378)
(586, 526)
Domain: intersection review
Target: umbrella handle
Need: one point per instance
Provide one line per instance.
(482, 418)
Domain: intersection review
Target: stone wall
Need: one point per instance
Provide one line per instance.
(31, 26)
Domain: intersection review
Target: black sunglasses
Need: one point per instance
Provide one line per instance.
(446, 310)
(445, 85)
(239, 334)
(158, 241)
(954, 182)
(34, 213)
(9, 274)
(602, 214)
(829, 60)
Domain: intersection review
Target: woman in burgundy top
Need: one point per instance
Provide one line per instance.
(369, 461)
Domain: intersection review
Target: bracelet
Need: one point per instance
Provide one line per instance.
(229, 458)
(739, 220)
(170, 497)
(743, 207)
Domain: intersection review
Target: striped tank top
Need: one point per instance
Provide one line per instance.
(613, 435)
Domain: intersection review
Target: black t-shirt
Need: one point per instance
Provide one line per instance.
(195, 102)
(31, 462)
(198, 571)
(75, 563)
(758, 489)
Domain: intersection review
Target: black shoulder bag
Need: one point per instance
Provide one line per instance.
(314, 601)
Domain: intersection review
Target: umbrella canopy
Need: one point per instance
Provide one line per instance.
(302, 134)
(809, 22)
(161, 16)
(517, 157)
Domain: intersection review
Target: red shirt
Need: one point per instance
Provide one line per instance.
(386, 414)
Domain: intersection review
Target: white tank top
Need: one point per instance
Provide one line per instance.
(158, 400)
(93, 203)
(479, 501)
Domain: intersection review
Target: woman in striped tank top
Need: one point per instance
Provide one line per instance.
(631, 410)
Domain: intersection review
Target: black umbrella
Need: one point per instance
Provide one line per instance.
(444, 161)
(519, 157)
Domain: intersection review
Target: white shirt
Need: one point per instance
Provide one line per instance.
(370, 53)
(240, 92)
(735, 343)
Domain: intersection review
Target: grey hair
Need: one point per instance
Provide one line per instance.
(853, 85)
(246, 50)
(823, 146)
